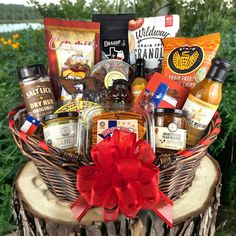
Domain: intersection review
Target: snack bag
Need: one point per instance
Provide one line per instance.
(187, 60)
(114, 35)
(145, 36)
(73, 47)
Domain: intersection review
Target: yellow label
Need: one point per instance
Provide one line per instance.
(202, 103)
(136, 91)
(111, 76)
(199, 115)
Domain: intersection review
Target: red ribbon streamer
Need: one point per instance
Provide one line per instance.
(122, 179)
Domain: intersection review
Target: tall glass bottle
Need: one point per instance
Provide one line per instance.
(204, 99)
(139, 82)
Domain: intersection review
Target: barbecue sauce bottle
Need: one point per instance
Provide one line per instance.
(139, 82)
(204, 99)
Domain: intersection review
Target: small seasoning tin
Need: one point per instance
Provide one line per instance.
(170, 130)
(60, 130)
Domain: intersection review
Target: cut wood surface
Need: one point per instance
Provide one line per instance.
(40, 202)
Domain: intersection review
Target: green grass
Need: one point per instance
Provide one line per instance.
(32, 50)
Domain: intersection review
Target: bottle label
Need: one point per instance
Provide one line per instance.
(63, 135)
(199, 113)
(38, 98)
(170, 137)
(136, 91)
(106, 127)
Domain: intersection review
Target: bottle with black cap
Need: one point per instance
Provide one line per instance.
(37, 90)
(139, 83)
(204, 99)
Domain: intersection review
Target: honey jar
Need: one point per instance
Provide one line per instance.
(170, 130)
(60, 130)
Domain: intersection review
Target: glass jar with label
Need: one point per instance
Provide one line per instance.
(170, 130)
(60, 130)
(37, 91)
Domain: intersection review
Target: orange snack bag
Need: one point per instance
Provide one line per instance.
(187, 60)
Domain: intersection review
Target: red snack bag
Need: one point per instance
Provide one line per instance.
(73, 47)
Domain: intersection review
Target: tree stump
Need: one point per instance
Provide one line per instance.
(39, 212)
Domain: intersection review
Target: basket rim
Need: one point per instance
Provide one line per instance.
(46, 149)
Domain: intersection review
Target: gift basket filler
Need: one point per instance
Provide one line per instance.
(124, 114)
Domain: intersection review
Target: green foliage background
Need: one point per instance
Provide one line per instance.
(197, 18)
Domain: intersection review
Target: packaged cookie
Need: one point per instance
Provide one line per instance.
(145, 36)
(101, 122)
(73, 48)
(187, 60)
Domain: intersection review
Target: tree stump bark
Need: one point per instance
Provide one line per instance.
(38, 212)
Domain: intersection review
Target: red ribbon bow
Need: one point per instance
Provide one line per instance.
(123, 179)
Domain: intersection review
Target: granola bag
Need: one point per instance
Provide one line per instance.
(145, 36)
(73, 47)
(187, 60)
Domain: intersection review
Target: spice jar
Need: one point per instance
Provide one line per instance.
(170, 130)
(60, 130)
(37, 91)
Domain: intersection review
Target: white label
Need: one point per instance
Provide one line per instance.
(106, 127)
(145, 36)
(170, 137)
(199, 113)
(62, 136)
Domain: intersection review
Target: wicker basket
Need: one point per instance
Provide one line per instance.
(58, 168)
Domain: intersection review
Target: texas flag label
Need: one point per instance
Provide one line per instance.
(30, 126)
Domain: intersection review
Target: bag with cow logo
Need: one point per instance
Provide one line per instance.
(145, 36)
(114, 35)
(187, 60)
(73, 48)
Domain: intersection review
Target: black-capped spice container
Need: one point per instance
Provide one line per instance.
(37, 90)
(170, 130)
(60, 130)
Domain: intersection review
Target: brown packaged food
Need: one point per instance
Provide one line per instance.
(73, 47)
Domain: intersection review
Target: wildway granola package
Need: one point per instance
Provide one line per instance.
(145, 36)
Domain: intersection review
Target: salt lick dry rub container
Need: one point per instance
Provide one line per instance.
(60, 130)
(37, 90)
(170, 130)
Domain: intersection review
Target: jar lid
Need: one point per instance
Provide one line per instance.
(59, 115)
(171, 111)
(31, 71)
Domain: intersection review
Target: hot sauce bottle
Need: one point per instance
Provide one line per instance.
(204, 99)
(139, 82)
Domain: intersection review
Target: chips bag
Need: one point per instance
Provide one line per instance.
(145, 36)
(73, 47)
(187, 60)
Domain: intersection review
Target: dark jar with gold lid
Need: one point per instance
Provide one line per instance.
(170, 130)
(37, 91)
